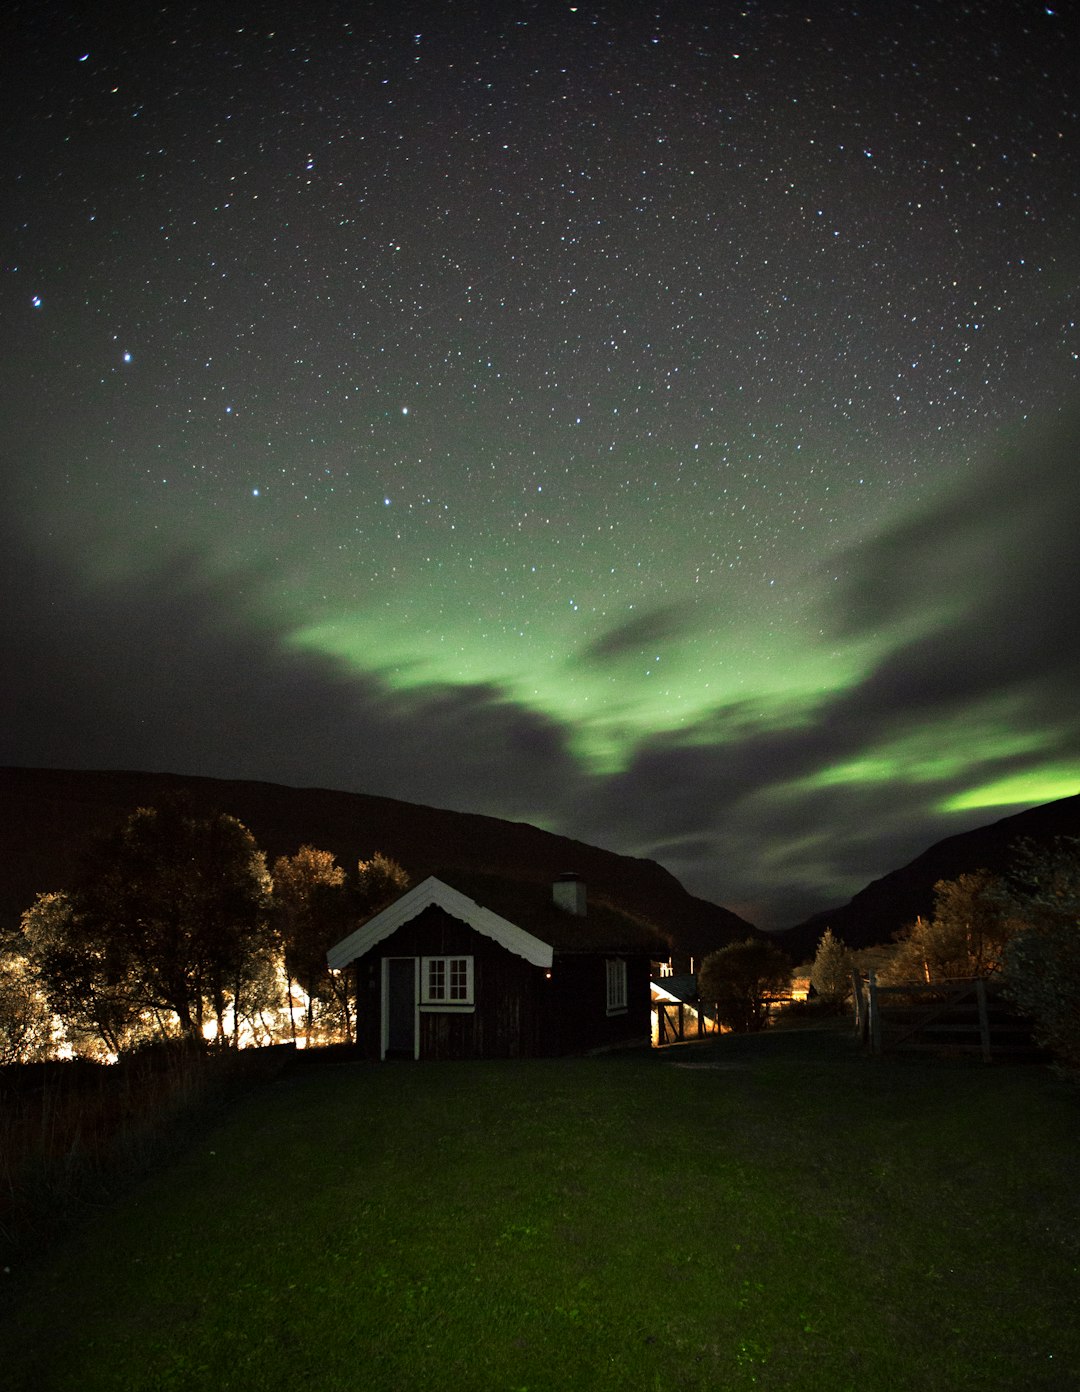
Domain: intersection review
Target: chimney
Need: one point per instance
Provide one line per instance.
(568, 892)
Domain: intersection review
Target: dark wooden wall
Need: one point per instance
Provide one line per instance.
(519, 1012)
(510, 994)
(579, 1004)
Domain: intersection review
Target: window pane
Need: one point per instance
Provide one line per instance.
(459, 978)
(436, 978)
(616, 985)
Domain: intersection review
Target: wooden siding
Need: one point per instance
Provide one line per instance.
(368, 988)
(579, 1006)
(518, 1011)
(509, 993)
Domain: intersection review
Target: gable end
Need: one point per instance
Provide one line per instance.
(458, 905)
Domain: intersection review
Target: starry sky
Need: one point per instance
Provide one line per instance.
(657, 423)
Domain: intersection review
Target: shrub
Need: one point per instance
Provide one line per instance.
(1042, 970)
(1042, 959)
(740, 979)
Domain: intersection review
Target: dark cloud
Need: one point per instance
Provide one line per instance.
(649, 630)
(979, 592)
(988, 581)
(749, 834)
(973, 600)
(993, 561)
(174, 669)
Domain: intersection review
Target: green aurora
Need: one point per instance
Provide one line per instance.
(658, 428)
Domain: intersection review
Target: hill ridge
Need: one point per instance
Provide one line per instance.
(886, 904)
(48, 818)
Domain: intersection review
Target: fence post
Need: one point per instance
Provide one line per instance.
(875, 1015)
(984, 1020)
(860, 1005)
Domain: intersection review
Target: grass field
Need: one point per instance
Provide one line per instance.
(783, 1213)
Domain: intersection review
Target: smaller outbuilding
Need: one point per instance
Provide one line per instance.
(491, 968)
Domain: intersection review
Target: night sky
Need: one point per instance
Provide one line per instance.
(662, 429)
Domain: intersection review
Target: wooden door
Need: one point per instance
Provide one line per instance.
(399, 1029)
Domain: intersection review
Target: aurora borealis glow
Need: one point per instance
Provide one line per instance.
(659, 427)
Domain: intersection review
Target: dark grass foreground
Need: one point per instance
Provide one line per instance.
(775, 1213)
(74, 1134)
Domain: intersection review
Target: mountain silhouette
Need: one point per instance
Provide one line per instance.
(50, 817)
(887, 904)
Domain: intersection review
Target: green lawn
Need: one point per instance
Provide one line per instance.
(792, 1216)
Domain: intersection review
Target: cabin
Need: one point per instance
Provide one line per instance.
(489, 968)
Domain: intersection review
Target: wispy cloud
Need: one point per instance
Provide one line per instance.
(972, 602)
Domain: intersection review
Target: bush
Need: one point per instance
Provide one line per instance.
(740, 979)
(1042, 970)
(1042, 959)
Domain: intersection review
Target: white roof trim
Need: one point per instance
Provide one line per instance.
(458, 905)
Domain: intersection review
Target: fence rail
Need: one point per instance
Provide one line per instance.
(674, 1022)
(965, 1015)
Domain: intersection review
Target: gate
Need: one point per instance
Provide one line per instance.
(961, 1016)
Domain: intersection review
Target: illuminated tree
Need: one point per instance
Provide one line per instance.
(379, 880)
(169, 928)
(971, 909)
(310, 912)
(966, 936)
(740, 980)
(85, 979)
(261, 999)
(26, 1022)
(831, 972)
(188, 896)
(314, 908)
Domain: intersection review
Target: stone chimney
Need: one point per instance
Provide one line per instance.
(568, 892)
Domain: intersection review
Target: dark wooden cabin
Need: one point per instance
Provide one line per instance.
(518, 971)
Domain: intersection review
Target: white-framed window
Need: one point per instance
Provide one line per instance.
(446, 981)
(616, 986)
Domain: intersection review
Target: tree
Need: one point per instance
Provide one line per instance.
(1042, 958)
(966, 936)
(310, 905)
(85, 979)
(378, 880)
(169, 928)
(970, 910)
(741, 979)
(831, 973)
(259, 1005)
(314, 908)
(27, 1030)
(187, 896)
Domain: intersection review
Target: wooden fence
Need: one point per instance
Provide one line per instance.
(674, 1022)
(964, 1016)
